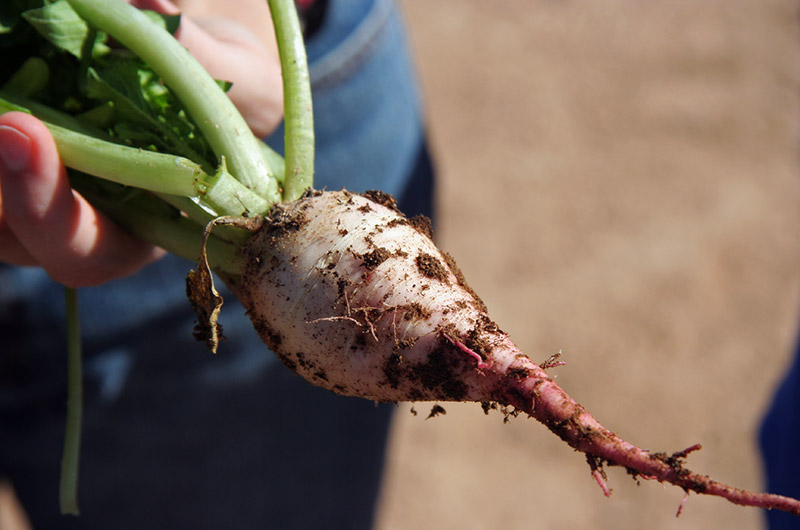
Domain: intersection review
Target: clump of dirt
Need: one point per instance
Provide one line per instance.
(435, 411)
(287, 218)
(392, 369)
(430, 266)
(372, 259)
(420, 223)
(415, 311)
(382, 198)
(451, 263)
(476, 341)
(206, 302)
(443, 369)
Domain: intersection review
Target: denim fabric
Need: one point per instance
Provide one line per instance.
(368, 125)
(173, 436)
(780, 442)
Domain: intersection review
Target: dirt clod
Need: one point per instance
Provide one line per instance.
(436, 410)
(382, 198)
(373, 259)
(431, 267)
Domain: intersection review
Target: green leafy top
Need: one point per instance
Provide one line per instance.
(76, 70)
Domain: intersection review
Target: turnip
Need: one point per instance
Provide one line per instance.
(357, 299)
(345, 290)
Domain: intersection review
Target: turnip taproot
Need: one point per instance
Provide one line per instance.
(347, 292)
(357, 299)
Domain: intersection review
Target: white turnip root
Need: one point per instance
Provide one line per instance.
(357, 299)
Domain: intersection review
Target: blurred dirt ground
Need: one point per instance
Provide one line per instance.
(619, 180)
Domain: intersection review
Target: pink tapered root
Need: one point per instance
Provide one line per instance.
(539, 396)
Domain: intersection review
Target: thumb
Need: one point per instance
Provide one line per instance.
(57, 227)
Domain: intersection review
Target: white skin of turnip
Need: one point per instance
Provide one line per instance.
(377, 297)
(356, 298)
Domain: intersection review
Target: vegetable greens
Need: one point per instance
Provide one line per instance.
(125, 102)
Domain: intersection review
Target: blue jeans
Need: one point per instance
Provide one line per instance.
(780, 445)
(173, 436)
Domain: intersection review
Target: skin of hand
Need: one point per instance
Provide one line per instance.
(234, 41)
(43, 222)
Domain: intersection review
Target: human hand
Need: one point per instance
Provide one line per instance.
(44, 222)
(234, 41)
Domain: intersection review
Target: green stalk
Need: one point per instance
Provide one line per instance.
(112, 161)
(83, 149)
(68, 489)
(129, 165)
(222, 125)
(14, 101)
(179, 181)
(150, 219)
(298, 112)
(31, 77)
(193, 208)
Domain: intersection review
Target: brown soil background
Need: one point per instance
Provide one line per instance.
(619, 180)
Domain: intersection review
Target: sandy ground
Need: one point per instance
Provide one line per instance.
(619, 180)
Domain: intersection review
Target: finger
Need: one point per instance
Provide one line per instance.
(164, 7)
(229, 52)
(11, 251)
(234, 41)
(254, 15)
(74, 243)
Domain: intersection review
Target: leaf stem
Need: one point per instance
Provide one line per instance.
(68, 489)
(129, 165)
(151, 219)
(216, 116)
(298, 111)
(85, 150)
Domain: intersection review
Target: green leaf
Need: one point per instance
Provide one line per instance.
(30, 79)
(60, 25)
(145, 113)
(10, 11)
(101, 116)
(168, 22)
(224, 85)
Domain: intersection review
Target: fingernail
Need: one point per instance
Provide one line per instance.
(15, 148)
